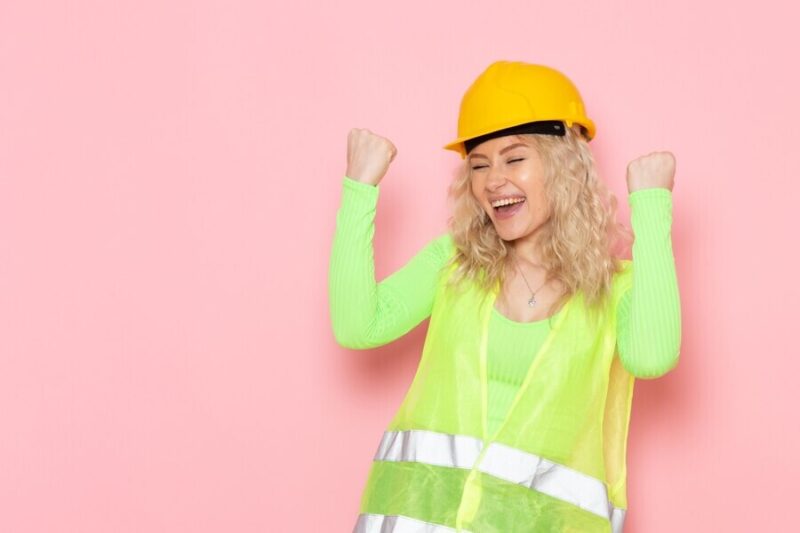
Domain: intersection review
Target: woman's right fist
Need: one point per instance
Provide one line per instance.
(368, 156)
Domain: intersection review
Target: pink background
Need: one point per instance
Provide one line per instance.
(169, 179)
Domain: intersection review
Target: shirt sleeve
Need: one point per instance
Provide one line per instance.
(648, 312)
(365, 313)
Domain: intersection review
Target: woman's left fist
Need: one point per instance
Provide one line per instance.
(656, 169)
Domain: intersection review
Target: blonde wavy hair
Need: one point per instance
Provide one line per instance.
(579, 245)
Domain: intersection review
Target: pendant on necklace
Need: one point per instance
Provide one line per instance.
(532, 301)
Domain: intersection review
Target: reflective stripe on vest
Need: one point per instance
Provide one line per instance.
(378, 523)
(504, 462)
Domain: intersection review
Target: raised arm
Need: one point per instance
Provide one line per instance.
(648, 312)
(364, 313)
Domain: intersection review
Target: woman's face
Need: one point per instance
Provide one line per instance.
(510, 168)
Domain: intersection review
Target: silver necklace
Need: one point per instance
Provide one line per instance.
(532, 299)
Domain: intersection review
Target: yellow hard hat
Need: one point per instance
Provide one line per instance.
(515, 97)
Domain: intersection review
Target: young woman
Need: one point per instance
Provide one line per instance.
(517, 417)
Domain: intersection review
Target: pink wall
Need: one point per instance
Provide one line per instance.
(169, 178)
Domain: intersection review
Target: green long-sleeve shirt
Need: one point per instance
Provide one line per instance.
(365, 313)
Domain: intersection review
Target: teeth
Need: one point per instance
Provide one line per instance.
(507, 201)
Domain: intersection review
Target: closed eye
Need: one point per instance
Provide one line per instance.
(510, 161)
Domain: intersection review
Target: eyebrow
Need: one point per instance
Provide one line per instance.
(504, 150)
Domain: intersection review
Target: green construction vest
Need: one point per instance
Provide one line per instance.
(556, 464)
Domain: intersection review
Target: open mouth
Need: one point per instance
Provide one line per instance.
(510, 209)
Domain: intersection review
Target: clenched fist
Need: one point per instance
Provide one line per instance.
(656, 169)
(368, 156)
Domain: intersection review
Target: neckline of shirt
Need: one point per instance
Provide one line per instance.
(532, 324)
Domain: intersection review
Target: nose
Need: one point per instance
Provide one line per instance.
(495, 179)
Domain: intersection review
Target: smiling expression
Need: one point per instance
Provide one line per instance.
(507, 169)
